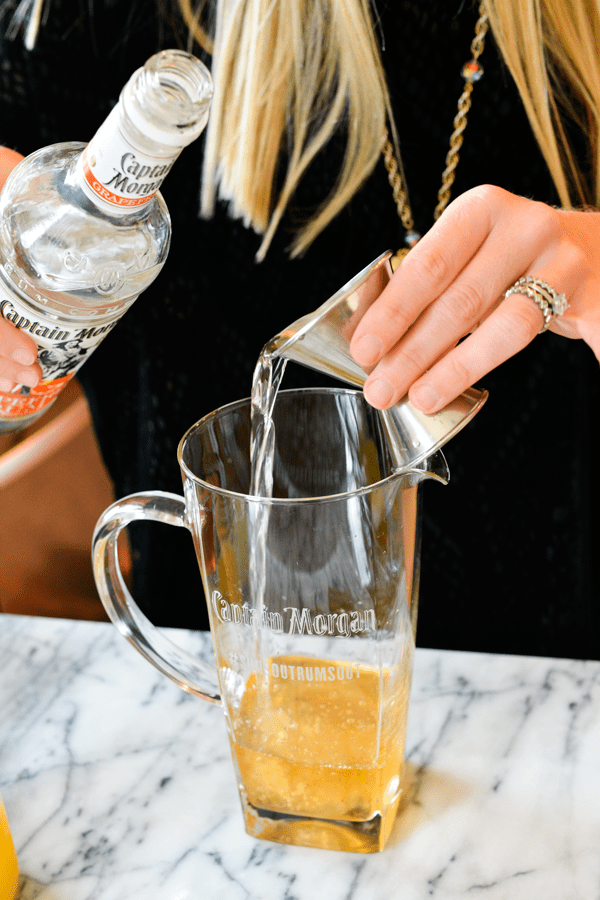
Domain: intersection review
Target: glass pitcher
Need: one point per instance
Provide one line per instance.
(312, 599)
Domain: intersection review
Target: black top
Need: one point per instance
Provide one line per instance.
(509, 558)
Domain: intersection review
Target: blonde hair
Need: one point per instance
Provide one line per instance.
(289, 74)
(551, 49)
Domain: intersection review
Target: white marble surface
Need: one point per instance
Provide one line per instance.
(119, 786)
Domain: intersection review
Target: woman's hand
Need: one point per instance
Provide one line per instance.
(452, 284)
(18, 352)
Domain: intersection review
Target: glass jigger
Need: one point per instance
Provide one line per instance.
(321, 341)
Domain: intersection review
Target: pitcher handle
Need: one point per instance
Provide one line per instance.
(187, 671)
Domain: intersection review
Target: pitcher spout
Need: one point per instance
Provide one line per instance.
(434, 467)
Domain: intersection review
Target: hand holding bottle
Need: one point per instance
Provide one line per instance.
(85, 231)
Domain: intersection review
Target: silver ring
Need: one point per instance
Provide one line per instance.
(549, 301)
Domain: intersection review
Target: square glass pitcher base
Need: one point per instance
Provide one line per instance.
(323, 834)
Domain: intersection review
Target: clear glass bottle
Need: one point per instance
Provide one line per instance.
(84, 229)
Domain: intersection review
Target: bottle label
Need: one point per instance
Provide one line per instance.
(62, 349)
(116, 172)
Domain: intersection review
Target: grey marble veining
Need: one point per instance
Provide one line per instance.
(119, 786)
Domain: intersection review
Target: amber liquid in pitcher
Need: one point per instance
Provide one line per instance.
(319, 747)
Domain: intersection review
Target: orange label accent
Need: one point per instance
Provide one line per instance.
(36, 398)
(107, 195)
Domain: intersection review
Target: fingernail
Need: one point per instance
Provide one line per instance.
(28, 377)
(5, 385)
(425, 398)
(379, 393)
(24, 357)
(367, 350)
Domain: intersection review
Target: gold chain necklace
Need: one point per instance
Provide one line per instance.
(471, 72)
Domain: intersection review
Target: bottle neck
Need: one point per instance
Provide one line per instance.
(162, 108)
(119, 173)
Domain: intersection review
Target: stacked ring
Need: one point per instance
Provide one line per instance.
(549, 301)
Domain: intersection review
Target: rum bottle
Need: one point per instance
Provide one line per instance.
(84, 228)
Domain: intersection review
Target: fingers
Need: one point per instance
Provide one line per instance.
(514, 325)
(8, 160)
(424, 274)
(451, 285)
(18, 354)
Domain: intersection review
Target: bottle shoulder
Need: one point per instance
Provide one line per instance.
(60, 241)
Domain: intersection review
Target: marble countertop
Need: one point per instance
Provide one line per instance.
(119, 786)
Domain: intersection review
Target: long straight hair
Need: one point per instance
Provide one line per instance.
(291, 73)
